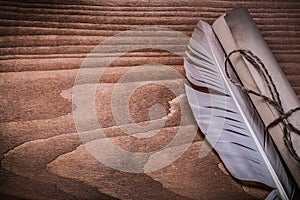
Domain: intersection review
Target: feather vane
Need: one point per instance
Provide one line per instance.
(228, 119)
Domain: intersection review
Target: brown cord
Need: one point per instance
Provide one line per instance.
(274, 101)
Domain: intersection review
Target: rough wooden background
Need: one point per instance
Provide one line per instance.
(42, 46)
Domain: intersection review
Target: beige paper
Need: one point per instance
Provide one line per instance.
(236, 30)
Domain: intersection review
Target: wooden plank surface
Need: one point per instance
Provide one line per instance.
(42, 46)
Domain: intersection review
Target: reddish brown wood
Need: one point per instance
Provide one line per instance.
(42, 45)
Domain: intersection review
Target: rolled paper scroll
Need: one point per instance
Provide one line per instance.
(236, 30)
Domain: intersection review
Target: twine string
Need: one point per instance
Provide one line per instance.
(275, 100)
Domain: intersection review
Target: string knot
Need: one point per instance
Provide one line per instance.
(275, 100)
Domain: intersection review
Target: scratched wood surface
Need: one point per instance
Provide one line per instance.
(42, 46)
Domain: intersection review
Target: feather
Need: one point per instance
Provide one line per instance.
(228, 119)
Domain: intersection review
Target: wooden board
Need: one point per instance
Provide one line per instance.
(43, 44)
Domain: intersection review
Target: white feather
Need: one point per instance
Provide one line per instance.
(228, 118)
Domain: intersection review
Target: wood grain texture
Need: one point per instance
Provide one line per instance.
(42, 46)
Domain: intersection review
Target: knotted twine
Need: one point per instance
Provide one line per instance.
(274, 100)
